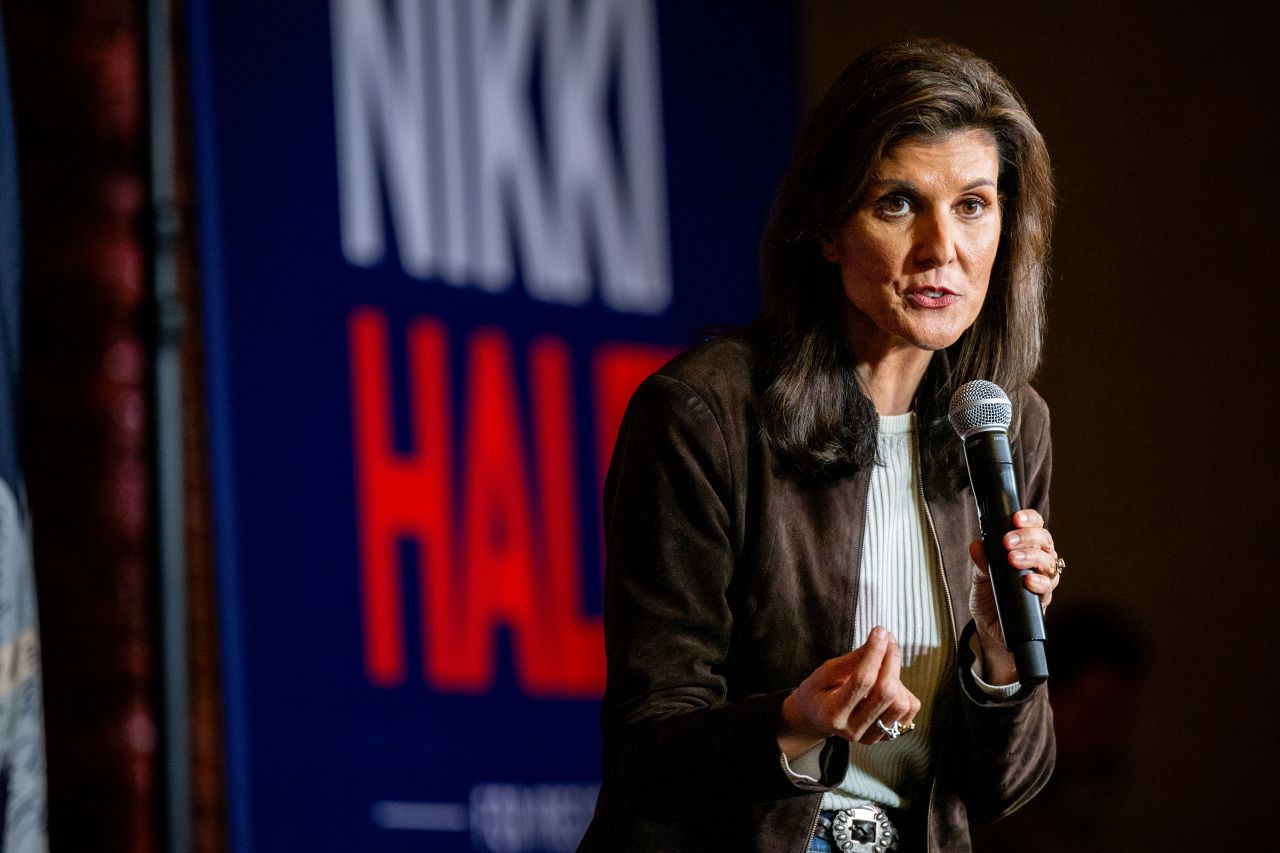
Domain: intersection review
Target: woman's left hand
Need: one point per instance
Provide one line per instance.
(1030, 546)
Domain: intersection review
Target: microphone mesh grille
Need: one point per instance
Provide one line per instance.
(979, 406)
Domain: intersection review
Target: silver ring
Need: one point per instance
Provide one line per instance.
(895, 731)
(1059, 566)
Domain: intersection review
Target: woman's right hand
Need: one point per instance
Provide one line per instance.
(846, 695)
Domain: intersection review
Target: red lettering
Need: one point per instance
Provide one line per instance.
(580, 639)
(518, 564)
(500, 586)
(399, 496)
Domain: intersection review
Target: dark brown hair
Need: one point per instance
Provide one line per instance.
(814, 411)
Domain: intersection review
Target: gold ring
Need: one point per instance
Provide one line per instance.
(1059, 566)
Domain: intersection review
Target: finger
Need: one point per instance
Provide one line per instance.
(854, 675)
(1025, 518)
(839, 668)
(1044, 580)
(861, 726)
(1032, 549)
(880, 699)
(913, 711)
(1043, 587)
(911, 707)
(1038, 584)
(897, 711)
(1029, 538)
(891, 665)
(867, 705)
(1040, 562)
(902, 711)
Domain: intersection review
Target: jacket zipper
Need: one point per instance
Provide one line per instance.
(951, 620)
(848, 638)
(813, 828)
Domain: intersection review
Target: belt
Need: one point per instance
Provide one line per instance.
(862, 829)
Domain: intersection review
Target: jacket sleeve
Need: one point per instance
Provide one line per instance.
(1004, 751)
(674, 746)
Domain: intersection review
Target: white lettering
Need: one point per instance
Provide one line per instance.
(633, 246)
(380, 105)
(456, 208)
(503, 194)
(517, 818)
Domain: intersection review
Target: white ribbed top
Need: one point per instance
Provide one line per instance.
(899, 587)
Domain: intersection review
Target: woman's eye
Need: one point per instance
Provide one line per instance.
(893, 205)
(972, 207)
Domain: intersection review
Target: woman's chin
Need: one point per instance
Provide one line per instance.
(936, 339)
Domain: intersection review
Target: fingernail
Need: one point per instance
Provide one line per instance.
(1014, 539)
(1017, 556)
(878, 633)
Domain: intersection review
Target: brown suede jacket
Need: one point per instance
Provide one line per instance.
(727, 583)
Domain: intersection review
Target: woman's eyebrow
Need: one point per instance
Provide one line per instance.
(894, 184)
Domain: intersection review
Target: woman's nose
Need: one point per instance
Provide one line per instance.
(935, 240)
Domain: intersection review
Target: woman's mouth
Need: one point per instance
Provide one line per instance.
(925, 298)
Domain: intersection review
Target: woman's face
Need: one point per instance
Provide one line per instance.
(916, 256)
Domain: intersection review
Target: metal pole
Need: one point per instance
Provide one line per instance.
(170, 504)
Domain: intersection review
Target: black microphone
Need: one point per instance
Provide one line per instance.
(980, 413)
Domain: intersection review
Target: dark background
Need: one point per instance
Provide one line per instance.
(1160, 367)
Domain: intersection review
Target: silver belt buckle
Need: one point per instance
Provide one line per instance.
(864, 829)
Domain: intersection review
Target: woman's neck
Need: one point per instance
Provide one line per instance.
(889, 367)
(892, 379)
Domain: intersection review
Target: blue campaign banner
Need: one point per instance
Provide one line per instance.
(441, 242)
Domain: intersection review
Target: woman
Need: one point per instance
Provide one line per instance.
(784, 495)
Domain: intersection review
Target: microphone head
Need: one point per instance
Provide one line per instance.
(979, 406)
